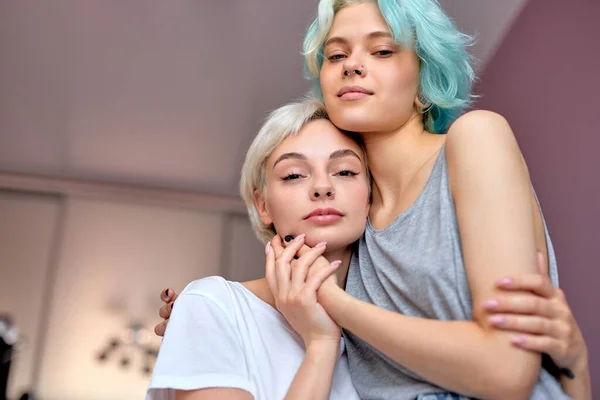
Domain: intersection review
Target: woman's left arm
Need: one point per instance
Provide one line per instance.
(492, 193)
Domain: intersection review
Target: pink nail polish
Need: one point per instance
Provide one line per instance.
(321, 244)
(506, 282)
(299, 237)
(491, 304)
(336, 263)
(519, 340)
(497, 319)
(268, 248)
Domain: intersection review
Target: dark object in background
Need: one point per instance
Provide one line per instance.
(8, 337)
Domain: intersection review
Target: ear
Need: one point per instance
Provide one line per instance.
(419, 103)
(261, 207)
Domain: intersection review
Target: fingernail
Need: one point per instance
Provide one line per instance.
(491, 304)
(506, 282)
(520, 340)
(167, 293)
(268, 248)
(288, 238)
(321, 244)
(336, 263)
(299, 237)
(497, 319)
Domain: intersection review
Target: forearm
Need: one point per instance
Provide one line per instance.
(459, 356)
(579, 388)
(314, 377)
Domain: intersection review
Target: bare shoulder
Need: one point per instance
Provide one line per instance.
(480, 134)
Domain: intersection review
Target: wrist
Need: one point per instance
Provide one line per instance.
(334, 300)
(323, 347)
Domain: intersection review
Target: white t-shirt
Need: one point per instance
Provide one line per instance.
(221, 335)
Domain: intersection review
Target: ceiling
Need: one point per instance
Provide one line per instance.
(156, 93)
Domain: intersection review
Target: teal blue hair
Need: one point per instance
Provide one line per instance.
(447, 74)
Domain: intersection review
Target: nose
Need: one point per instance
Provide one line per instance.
(322, 191)
(354, 66)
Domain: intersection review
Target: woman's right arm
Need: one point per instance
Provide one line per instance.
(295, 292)
(202, 349)
(294, 284)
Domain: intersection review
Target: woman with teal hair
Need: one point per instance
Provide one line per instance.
(444, 293)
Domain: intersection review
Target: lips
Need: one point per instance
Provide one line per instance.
(324, 212)
(349, 92)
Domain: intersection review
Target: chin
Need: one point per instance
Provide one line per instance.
(354, 120)
(335, 238)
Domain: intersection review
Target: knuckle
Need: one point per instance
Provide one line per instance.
(562, 349)
(566, 330)
(538, 280)
(536, 305)
(540, 325)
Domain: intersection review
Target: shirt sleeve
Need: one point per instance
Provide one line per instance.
(201, 349)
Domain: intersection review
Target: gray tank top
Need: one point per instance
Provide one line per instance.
(415, 267)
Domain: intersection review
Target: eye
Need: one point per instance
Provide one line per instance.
(346, 173)
(336, 57)
(291, 177)
(383, 53)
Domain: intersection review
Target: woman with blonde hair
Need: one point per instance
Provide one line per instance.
(269, 338)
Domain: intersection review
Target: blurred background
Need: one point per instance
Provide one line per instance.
(123, 126)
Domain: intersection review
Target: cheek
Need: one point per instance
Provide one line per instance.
(400, 86)
(284, 208)
(326, 79)
(360, 200)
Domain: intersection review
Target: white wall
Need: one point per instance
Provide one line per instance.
(26, 234)
(113, 260)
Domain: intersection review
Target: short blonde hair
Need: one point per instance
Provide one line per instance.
(282, 123)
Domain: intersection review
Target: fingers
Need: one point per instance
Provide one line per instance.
(168, 295)
(521, 304)
(159, 329)
(301, 267)
(270, 269)
(277, 245)
(528, 324)
(536, 283)
(283, 265)
(316, 280)
(284, 244)
(540, 344)
(165, 311)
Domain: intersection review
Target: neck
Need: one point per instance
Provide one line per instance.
(394, 157)
(260, 287)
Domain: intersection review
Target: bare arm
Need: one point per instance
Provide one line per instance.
(492, 192)
(294, 285)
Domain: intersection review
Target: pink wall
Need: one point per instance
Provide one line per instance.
(545, 79)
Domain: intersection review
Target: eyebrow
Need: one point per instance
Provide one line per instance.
(372, 35)
(299, 156)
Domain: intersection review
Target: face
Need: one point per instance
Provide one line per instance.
(316, 184)
(369, 83)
